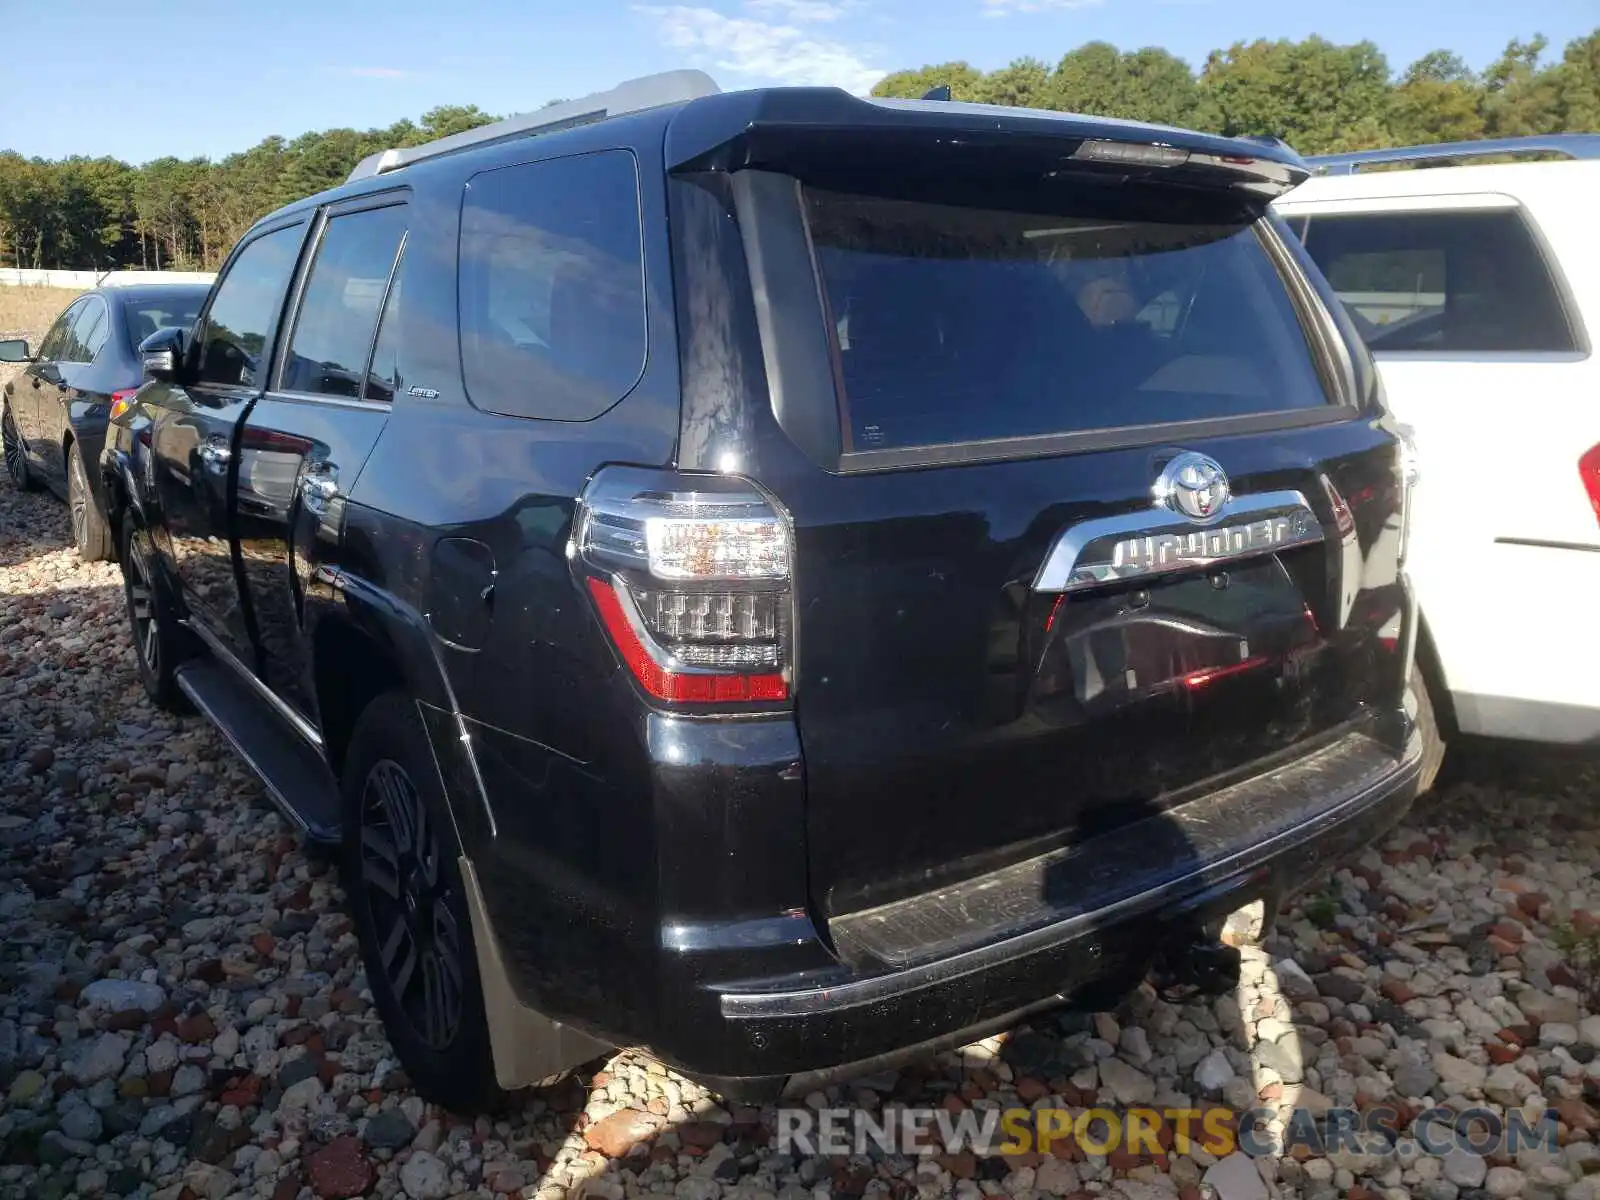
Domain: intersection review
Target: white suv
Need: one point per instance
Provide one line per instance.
(1478, 290)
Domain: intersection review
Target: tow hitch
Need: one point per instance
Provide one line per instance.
(1195, 965)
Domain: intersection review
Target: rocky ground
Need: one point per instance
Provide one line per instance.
(182, 1014)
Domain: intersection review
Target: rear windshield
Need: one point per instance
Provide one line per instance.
(957, 324)
(145, 314)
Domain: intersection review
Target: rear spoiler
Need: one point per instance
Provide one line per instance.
(782, 129)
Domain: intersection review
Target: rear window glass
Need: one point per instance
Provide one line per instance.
(552, 287)
(957, 324)
(143, 315)
(1440, 281)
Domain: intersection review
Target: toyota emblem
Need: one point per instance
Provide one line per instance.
(1193, 485)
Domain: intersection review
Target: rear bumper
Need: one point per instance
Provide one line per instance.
(778, 998)
(946, 967)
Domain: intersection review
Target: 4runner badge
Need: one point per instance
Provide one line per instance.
(1196, 523)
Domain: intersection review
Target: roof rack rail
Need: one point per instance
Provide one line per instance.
(650, 91)
(1567, 145)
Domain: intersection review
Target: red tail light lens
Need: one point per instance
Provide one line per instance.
(690, 578)
(1589, 472)
(122, 400)
(664, 683)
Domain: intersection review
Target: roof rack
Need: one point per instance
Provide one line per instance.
(1566, 145)
(650, 91)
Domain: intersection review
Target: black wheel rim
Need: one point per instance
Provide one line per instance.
(142, 609)
(15, 467)
(77, 497)
(408, 894)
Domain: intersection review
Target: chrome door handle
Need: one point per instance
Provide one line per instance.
(215, 452)
(319, 486)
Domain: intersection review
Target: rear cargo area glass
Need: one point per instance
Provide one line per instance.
(956, 324)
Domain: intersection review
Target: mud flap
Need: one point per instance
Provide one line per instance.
(529, 1048)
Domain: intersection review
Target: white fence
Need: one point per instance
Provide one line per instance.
(79, 280)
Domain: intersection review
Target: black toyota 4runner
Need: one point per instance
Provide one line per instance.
(779, 578)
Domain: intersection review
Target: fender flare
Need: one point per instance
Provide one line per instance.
(401, 633)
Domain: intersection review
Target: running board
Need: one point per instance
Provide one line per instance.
(294, 774)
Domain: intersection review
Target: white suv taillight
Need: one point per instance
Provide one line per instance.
(1589, 472)
(690, 577)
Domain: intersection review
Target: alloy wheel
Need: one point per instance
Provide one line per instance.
(142, 608)
(420, 945)
(77, 497)
(16, 467)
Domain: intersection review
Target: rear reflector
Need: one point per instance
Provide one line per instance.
(1589, 472)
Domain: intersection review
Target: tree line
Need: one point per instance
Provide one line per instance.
(1320, 97)
(180, 214)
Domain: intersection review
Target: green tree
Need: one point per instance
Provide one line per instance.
(1314, 94)
(1438, 99)
(1026, 83)
(1440, 66)
(1087, 79)
(1578, 84)
(1521, 98)
(964, 82)
(451, 118)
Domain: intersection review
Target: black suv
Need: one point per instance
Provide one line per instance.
(779, 578)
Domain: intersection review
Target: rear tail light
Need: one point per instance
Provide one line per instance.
(122, 400)
(1589, 472)
(690, 576)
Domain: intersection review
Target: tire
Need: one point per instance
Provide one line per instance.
(160, 644)
(16, 456)
(90, 529)
(1433, 741)
(410, 909)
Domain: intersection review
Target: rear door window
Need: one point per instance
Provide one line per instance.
(338, 317)
(552, 287)
(956, 324)
(1469, 281)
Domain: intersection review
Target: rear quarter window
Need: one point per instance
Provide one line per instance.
(955, 324)
(1444, 282)
(552, 298)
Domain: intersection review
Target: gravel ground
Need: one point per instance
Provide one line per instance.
(182, 1013)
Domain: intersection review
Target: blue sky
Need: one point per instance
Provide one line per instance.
(181, 78)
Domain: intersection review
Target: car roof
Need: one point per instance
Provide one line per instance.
(698, 129)
(131, 290)
(1521, 179)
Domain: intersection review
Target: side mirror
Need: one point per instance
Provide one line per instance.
(162, 354)
(14, 350)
